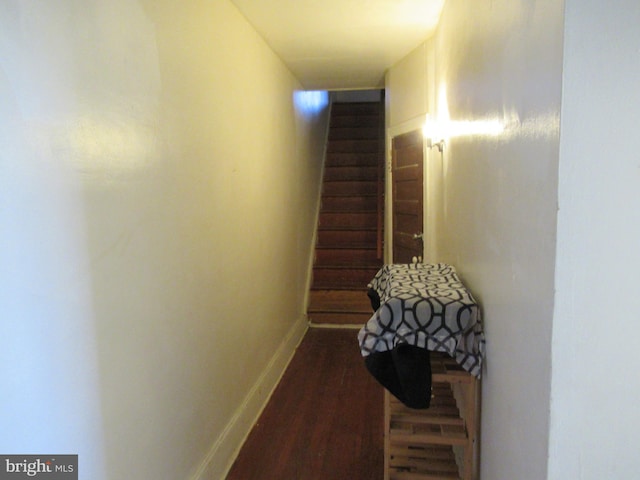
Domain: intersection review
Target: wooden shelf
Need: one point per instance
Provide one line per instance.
(423, 463)
(438, 443)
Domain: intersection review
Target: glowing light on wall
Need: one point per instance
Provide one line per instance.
(438, 130)
(310, 102)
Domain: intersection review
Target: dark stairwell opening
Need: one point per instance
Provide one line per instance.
(349, 247)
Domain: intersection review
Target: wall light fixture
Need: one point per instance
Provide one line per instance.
(434, 134)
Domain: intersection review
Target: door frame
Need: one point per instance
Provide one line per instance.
(416, 123)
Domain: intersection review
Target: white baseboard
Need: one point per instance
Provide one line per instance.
(225, 449)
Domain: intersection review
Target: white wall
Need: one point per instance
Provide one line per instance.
(407, 88)
(493, 204)
(158, 192)
(594, 405)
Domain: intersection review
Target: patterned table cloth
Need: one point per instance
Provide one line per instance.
(427, 306)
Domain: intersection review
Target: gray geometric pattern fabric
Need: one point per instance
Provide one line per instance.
(425, 305)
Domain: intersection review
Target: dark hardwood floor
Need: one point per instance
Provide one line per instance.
(324, 420)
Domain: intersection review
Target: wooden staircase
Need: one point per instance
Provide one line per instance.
(349, 241)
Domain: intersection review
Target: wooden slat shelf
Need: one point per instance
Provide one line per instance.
(419, 444)
(423, 463)
(446, 369)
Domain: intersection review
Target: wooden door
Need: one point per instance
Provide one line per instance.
(407, 211)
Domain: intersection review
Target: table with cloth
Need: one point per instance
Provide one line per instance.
(419, 308)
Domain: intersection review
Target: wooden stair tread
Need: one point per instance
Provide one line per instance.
(349, 264)
(345, 212)
(350, 216)
(349, 267)
(333, 285)
(352, 181)
(347, 195)
(346, 247)
(345, 227)
(338, 318)
(340, 301)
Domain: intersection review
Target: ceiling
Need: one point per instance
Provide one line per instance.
(342, 44)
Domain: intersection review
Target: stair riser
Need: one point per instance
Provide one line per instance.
(349, 204)
(346, 238)
(353, 146)
(342, 278)
(351, 173)
(339, 318)
(346, 256)
(338, 159)
(354, 121)
(350, 188)
(340, 301)
(352, 220)
(360, 109)
(353, 133)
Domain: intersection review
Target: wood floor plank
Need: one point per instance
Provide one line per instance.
(324, 421)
